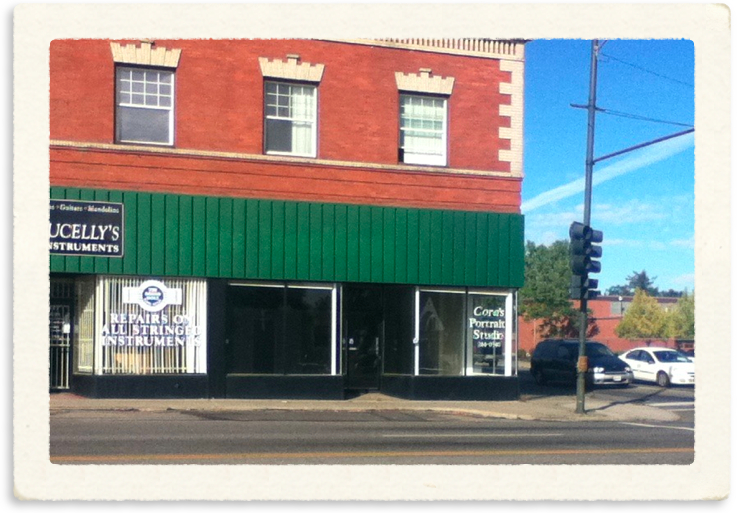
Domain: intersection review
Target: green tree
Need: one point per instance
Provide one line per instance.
(642, 281)
(619, 290)
(681, 320)
(643, 319)
(635, 282)
(545, 295)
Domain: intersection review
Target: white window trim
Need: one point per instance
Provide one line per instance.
(508, 369)
(334, 328)
(429, 159)
(314, 122)
(417, 333)
(170, 109)
(335, 368)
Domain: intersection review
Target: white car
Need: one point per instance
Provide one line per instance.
(660, 365)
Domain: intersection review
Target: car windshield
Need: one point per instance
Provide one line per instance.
(670, 356)
(595, 350)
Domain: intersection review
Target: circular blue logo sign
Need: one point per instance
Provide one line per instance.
(152, 295)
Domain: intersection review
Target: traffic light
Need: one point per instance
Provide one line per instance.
(583, 260)
(582, 287)
(583, 251)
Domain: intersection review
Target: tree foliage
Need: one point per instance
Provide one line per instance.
(640, 280)
(643, 319)
(633, 283)
(545, 295)
(681, 320)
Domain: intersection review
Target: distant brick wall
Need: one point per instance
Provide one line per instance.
(607, 318)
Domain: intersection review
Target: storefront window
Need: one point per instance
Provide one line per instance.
(308, 331)
(279, 329)
(441, 329)
(488, 334)
(463, 332)
(150, 326)
(255, 328)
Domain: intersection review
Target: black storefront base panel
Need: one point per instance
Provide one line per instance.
(181, 386)
(451, 388)
(252, 386)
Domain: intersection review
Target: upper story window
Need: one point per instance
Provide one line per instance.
(144, 92)
(144, 106)
(423, 130)
(423, 117)
(290, 106)
(290, 119)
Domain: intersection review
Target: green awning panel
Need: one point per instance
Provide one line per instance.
(180, 235)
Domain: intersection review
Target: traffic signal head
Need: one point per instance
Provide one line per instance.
(583, 251)
(582, 287)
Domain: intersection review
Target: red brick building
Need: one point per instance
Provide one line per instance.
(607, 312)
(286, 218)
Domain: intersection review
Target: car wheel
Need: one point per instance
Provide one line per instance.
(539, 377)
(663, 380)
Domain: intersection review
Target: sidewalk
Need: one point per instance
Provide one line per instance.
(557, 408)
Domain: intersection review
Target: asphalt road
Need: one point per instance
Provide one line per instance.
(343, 437)
(678, 399)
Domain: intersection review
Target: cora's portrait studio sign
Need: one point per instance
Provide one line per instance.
(85, 228)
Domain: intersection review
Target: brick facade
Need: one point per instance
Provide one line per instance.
(219, 125)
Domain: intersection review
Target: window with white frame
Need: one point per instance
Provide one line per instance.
(144, 105)
(150, 326)
(290, 119)
(465, 332)
(423, 130)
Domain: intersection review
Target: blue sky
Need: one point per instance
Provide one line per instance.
(643, 201)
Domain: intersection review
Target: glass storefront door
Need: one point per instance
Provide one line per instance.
(362, 336)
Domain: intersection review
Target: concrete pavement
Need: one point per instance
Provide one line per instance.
(548, 407)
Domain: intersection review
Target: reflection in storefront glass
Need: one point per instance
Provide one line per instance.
(254, 328)
(441, 317)
(308, 331)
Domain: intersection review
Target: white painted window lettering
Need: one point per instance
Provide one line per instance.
(151, 327)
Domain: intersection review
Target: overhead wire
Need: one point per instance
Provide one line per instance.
(647, 70)
(641, 118)
(635, 116)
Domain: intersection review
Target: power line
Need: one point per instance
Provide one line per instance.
(642, 118)
(648, 71)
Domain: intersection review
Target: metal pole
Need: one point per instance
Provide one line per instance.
(582, 361)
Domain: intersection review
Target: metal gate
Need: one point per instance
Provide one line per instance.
(59, 338)
(60, 333)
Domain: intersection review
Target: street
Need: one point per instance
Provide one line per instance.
(677, 399)
(376, 437)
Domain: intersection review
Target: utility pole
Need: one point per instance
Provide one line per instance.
(582, 361)
(584, 231)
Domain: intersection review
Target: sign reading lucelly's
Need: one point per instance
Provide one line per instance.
(149, 325)
(85, 228)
